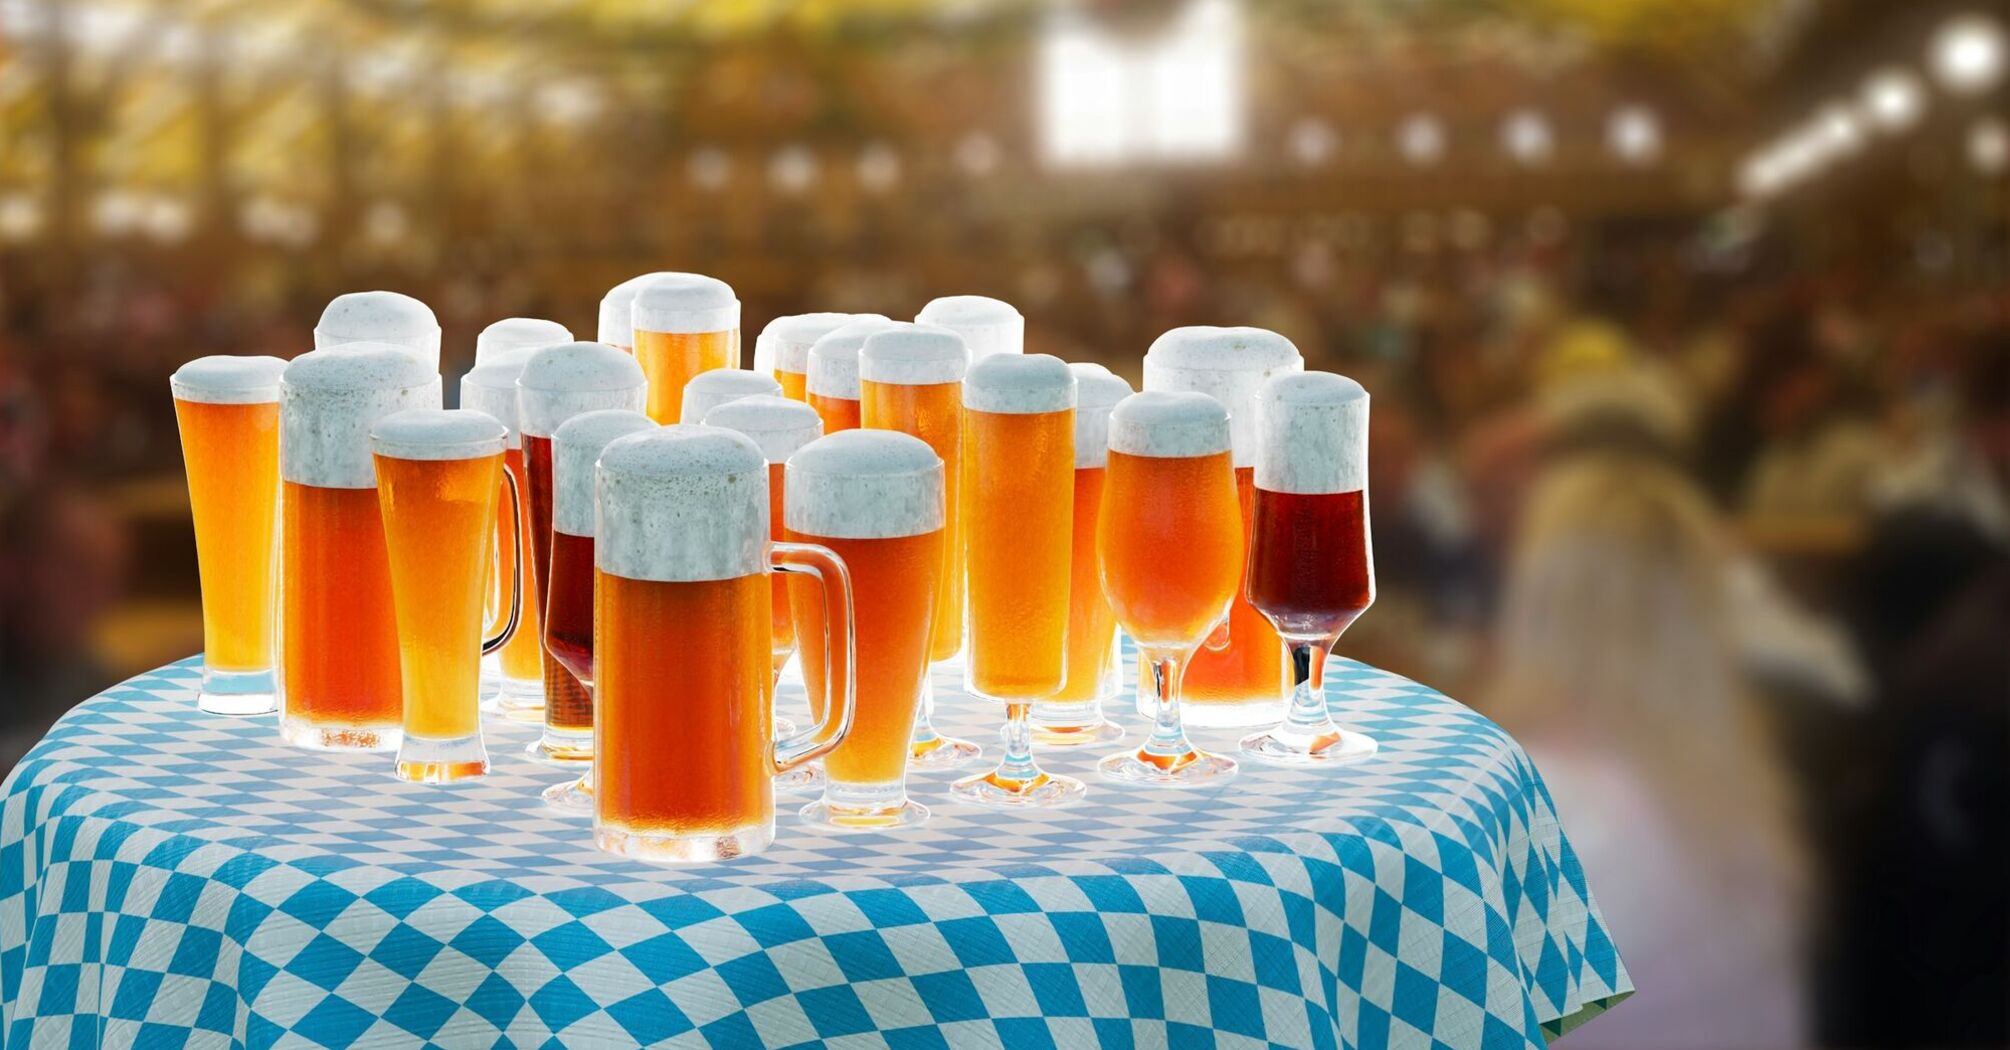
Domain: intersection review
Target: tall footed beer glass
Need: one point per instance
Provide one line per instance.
(339, 681)
(684, 751)
(832, 383)
(685, 323)
(789, 340)
(228, 411)
(490, 388)
(1240, 677)
(778, 426)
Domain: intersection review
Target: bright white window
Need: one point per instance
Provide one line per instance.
(1106, 101)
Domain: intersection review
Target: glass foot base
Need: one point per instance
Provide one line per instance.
(237, 693)
(662, 848)
(995, 789)
(442, 761)
(942, 752)
(1192, 769)
(1285, 747)
(318, 737)
(545, 753)
(801, 780)
(570, 796)
(865, 818)
(1103, 732)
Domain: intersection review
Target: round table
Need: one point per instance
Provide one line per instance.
(176, 879)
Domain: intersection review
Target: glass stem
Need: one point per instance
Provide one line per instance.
(1018, 764)
(1168, 739)
(925, 735)
(1308, 713)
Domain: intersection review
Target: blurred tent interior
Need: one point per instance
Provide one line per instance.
(1687, 321)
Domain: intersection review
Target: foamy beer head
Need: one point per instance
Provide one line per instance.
(437, 433)
(988, 326)
(381, 317)
(708, 390)
(913, 355)
(559, 382)
(1096, 394)
(681, 504)
(222, 379)
(1169, 425)
(512, 333)
(1312, 434)
(575, 448)
(1019, 384)
(685, 303)
(490, 386)
(864, 485)
(330, 399)
(779, 425)
(617, 318)
(789, 338)
(1227, 364)
(833, 367)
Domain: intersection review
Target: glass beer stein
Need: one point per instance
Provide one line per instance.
(685, 323)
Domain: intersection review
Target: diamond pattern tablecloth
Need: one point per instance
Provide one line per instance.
(173, 879)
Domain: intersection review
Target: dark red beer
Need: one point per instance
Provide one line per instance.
(568, 627)
(1311, 571)
(567, 704)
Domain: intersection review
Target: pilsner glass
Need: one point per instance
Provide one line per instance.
(709, 390)
(437, 477)
(339, 685)
(875, 498)
(1241, 676)
(381, 317)
(518, 333)
(988, 326)
(1311, 561)
(788, 342)
(778, 426)
(616, 327)
(685, 323)
(1170, 544)
(832, 383)
(490, 387)
(1018, 509)
(557, 383)
(1075, 714)
(684, 750)
(911, 380)
(228, 412)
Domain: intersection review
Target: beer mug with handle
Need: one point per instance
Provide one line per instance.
(684, 751)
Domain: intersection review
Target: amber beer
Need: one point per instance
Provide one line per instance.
(685, 323)
(1311, 562)
(1075, 714)
(988, 326)
(339, 680)
(557, 383)
(389, 318)
(1018, 509)
(490, 387)
(228, 412)
(875, 498)
(787, 341)
(684, 752)
(709, 390)
(437, 478)
(833, 384)
(1170, 544)
(778, 427)
(1241, 676)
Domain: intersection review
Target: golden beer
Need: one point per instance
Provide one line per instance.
(778, 427)
(1074, 715)
(490, 387)
(788, 340)
(685, 323)
(384, 318)
(833, 384)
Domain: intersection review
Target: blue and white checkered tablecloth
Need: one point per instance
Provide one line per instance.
(171, 879)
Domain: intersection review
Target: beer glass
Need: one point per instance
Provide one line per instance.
(788, 342)
(1240, 677)
(1075, 714)
(518, 673)
(339, 684)
(875, 498)
(711, 389)
(1170, 544)
(911, 380)
(557, 383)
(228, 412)
(616, 326)
(516, 333)
(778, 427)
(437, 477)
(381, 317)
(684, 750)
(1018, 509)
(1311, 562)
(832, 383)
(988, 326)
(685, 323)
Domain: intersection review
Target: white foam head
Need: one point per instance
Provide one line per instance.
(617, 317)
(710, 389)
(381, 317)
(575, 448)
(222, 379)
(779, 425)
(511, 333)
(682, 503)
(988, 326)
(1096, 394)
(790, 338)
(1168, 425)
(686, 303)
(559, 382)
(913, 355)
(833, 369)
(864, 485)
(329, 400)
(490, 386)
(437, 433)
(1312, 434)
(1227, 364)
(1019, 384)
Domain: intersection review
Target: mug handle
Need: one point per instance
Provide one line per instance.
(823, 563)
(490, 645)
